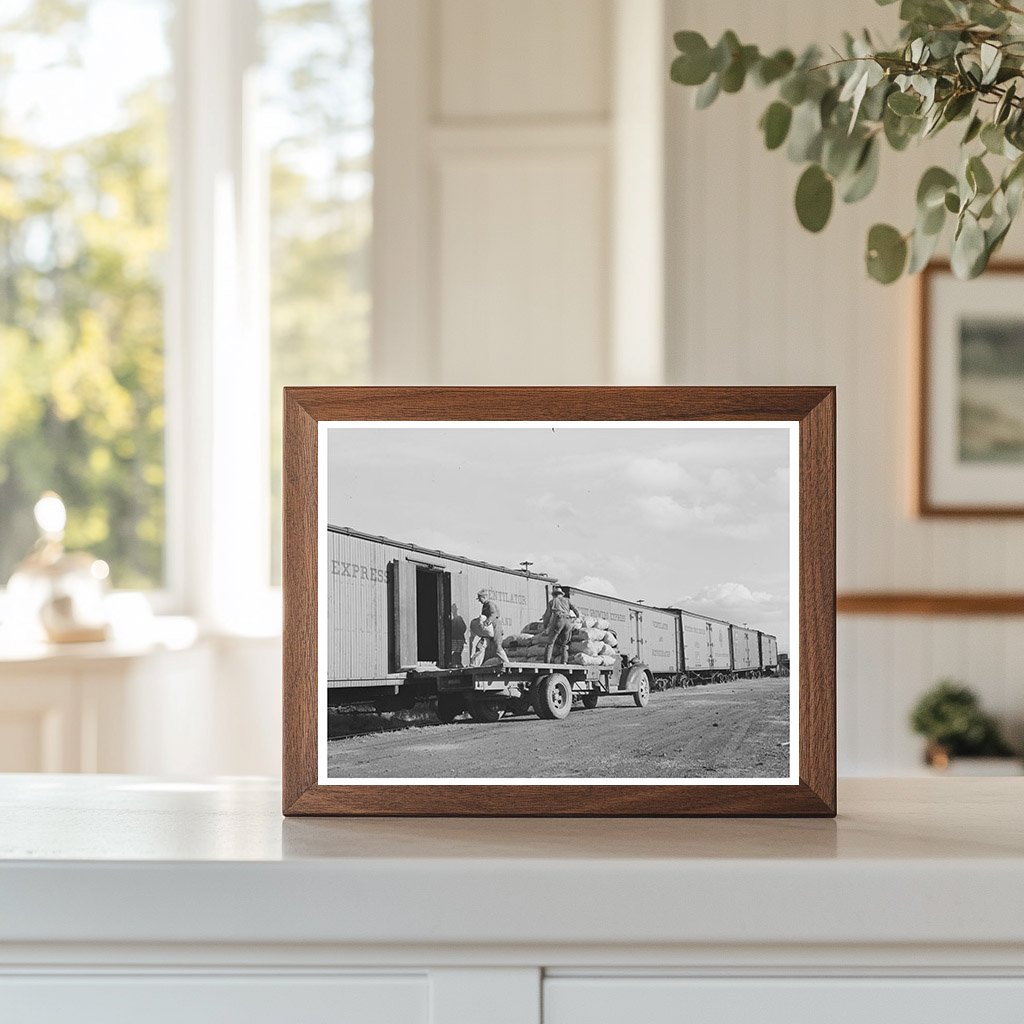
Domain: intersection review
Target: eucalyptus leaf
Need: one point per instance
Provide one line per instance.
(775, 124)
(805, 133)
(886, 253)
(978, 176)
(1014, 192)
(814, 196)
(794, 88)
(865, 173)
(900, 130)
(968, 248)
(873, 106)
(958, 105)
(735, 74)
(771, 69)
(1005, 105)
(903, 103)
(987, 15)
(725, 49)
(991, 60)
(1013, 187)
(707, 93)
(691, 69)
(973, 130)
(993, 138)
(840, 152)
(931, 191)
(922, 248)
(933, 122)
(932, 221)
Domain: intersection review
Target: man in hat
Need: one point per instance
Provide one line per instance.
(488, 608)
(558, 620)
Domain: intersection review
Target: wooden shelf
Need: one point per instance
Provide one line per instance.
(928, 603)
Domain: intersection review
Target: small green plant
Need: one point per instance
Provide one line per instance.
(950, 717)
(956, 61)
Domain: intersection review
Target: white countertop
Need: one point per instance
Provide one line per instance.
(119, 859)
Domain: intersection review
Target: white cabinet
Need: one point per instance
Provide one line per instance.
(202, 999)
(828, 1000)
(178, 705)
(127, 899)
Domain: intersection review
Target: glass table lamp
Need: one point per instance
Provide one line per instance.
(54, 594)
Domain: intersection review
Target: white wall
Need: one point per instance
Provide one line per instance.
(754, 299)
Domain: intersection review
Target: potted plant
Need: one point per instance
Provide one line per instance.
(956, 62)
(950, 718)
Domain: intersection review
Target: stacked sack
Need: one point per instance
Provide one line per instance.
(591, 643)
(525, 646)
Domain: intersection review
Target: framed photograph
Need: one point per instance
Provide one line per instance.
(970, 451)
(559, 601)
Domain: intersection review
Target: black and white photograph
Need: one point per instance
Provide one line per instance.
(557, 601)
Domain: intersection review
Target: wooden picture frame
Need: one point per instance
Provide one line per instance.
(811, 791)
(930, 377)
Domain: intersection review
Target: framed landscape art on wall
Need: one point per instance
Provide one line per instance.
(578, 601)
(970, 451)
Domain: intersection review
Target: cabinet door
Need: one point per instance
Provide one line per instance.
(782, 1001)
(205, 999)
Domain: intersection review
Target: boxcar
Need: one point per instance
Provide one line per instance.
(393, 607)
(769, 654)
(746, 652)
(646, 633)
(707, 652)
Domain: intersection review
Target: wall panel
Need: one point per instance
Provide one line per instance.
(528, 58)
(522, 284)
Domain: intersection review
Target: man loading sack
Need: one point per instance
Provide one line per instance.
(558, 621)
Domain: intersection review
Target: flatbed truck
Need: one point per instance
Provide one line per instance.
(489, 691)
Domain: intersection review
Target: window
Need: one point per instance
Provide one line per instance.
(185, 222)
(83, 236)
(317, 117)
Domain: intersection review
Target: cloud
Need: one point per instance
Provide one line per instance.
(665, 513)
(598, 584)
(728, 483)
(554, 506)
(733, 594)
(736, 602)
(754, 530)
(657, 474)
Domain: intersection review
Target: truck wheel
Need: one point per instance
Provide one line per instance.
(553, 697)
(485, 711)
(448, 707)
(640, 683)
(590, 700)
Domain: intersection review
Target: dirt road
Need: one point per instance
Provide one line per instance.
(730, 730)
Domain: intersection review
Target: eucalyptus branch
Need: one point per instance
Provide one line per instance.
(954, 60)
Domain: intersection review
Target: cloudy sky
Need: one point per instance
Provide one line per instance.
(697, 517)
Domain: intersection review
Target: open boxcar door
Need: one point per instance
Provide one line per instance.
(402, 631)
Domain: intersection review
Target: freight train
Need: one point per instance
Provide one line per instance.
(396, 611)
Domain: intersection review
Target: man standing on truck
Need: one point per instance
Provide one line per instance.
(485, 641)
(558, 620)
